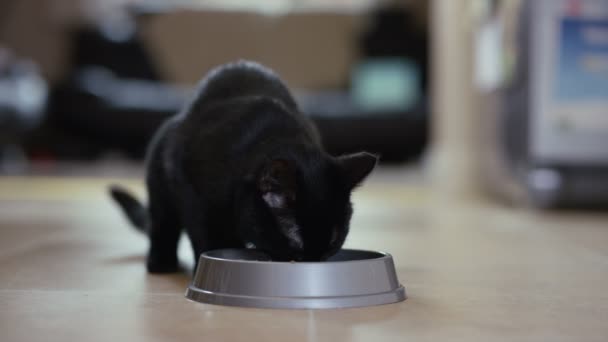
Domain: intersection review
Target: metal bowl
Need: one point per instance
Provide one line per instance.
(242, 277)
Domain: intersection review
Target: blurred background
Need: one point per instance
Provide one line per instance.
(490, 117)
(503, 99)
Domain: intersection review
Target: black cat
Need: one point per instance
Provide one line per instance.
(242, 167)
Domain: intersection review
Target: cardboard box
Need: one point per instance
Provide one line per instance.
(309, 50)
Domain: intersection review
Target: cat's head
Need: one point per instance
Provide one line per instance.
(302, 205)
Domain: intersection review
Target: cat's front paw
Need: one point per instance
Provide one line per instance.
(162, 267)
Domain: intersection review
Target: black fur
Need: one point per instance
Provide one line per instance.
(135, 212)
(241, 167)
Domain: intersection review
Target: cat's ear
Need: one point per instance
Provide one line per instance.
(357, 166)
(277, 184)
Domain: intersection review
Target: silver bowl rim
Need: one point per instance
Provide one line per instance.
(381, 256)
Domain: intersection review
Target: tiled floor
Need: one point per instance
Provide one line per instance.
(72, 270)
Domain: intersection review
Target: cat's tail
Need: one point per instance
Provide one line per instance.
(133, 209)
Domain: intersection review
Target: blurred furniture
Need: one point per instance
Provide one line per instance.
(117, 92)
(23, 98)
(550, 102)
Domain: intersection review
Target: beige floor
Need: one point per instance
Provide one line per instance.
(71, 270)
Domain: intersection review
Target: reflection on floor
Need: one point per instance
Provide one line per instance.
(72, 270)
